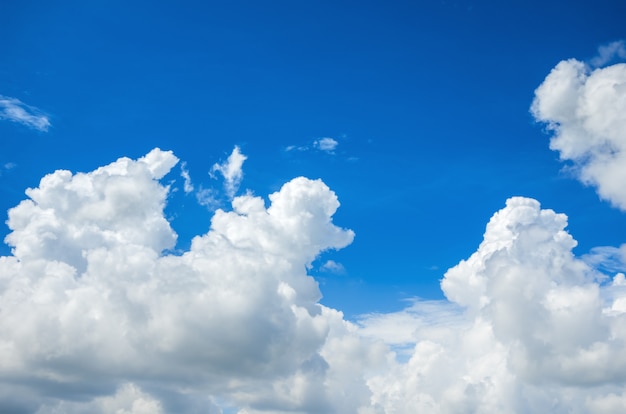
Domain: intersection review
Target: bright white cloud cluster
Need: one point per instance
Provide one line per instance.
(585, 108)
(94, 317)
(528, 329)
(12, 109)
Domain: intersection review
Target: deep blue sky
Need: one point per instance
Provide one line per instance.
(428, 101)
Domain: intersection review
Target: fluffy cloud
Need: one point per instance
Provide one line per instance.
(528, 328)
(13, 109)
(95, 317)
(585, 108)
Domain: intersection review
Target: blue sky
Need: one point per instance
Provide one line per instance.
(416, 114)
(428, 102)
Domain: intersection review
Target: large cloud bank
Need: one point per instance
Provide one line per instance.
(93, 315)
(97, 317)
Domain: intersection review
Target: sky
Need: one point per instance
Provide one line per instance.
(329, 207)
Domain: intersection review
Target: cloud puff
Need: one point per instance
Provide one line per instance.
(585, 109)
(528, 328)
(231, 170)
(95, 317)
(13, 109)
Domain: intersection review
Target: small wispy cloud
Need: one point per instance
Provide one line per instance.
(207, 197)
(333, 267)
(231, 170)
(325, 144)
(7, 166)
(188, 187)
(609, 52)
(12, 109)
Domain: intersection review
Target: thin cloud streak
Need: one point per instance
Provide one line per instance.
(12, 109)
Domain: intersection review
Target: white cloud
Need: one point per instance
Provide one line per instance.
(535, 332)
(91, 305)
(326, 144)
(232, 171)
(187, 186)
(586, 111)
(13, 109)
(96, 318)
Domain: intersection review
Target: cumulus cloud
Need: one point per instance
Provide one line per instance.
(527, 328)
(231, 170)
(585, 109)
(12, 109)
(95, 317)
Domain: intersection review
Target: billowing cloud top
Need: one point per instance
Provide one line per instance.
(586, 110)
(13, 109)
(89, 304)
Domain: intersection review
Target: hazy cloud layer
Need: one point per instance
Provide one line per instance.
(585, 109)
(12, 109)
